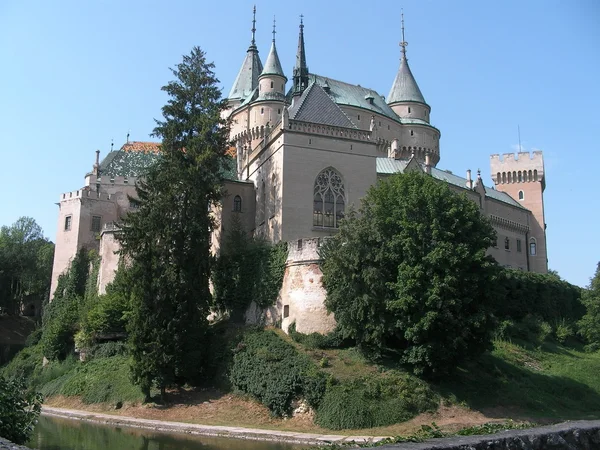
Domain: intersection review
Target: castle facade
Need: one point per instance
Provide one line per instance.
(303, 155)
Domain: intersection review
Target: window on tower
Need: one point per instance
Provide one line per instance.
(68, 221)
(519, 245)
(96, 224)
(532, 247)
(329, 199)
(237, 204)
(506, 243)
(521, 195)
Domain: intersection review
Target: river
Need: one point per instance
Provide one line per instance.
(52, 433)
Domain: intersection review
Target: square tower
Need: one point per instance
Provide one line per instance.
(523, 178)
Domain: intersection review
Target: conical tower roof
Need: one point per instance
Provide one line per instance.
(273, 65)
(247, 78)
(405, 88)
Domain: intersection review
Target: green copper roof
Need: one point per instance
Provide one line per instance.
(405, 88)
(120, 163)
(273, 65)
(354, 95)
(247, 79)
(388, 166)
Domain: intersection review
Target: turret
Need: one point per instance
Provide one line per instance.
(300, 69)
(407, 101)
(247, 79)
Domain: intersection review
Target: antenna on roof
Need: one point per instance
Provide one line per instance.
(519, 131)
(112, 142)
(128, 131)
(403, 44)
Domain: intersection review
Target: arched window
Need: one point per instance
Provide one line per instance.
(506, 244)
(237, 203)
(535, 175)
(530, 178)
(503, 177)
(521, 195)
(328, 200)
(520, 176)
(509, 177)
(532, 247)
(499, 178)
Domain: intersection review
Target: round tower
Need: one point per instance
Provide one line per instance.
(418, 136)
(267, 108)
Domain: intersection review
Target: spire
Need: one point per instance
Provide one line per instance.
(272, 64)
(300, 69)
(405, 88)
(247, 78)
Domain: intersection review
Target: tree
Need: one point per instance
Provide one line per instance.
(25, 264)
(19, 410)
(410, 274)
(589, 325)
(167, 239)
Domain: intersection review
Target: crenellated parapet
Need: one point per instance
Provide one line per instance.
(523, 167)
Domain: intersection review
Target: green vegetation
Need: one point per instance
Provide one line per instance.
(25, 265)
(167, 239)
(247, 269)
(19, 410)
(589, 325)
(410, 274)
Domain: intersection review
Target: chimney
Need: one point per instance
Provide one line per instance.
(97, 163)
(469, 180)
(427, 163)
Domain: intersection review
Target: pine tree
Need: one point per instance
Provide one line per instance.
(167, 239)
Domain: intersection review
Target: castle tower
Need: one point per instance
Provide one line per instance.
(267, 109)
(300, 69)
(407, 101)
(247, 79)
(524, 180)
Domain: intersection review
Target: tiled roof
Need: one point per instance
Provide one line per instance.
(272, 64)
(405, 88)
(388, 166)
(139, 146)
(315, 106)
(354, 95)
(132, 160)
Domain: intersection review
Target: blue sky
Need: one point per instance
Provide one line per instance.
(76, 75)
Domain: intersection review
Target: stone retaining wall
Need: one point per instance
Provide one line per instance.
(579, 435)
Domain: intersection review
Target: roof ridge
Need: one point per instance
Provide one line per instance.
(338, 107)
(303, 98)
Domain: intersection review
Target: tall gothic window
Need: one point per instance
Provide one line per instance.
(328, 200)
(237, 203)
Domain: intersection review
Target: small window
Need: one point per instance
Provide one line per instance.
(388, 127)
(279, 111)
(96, 224)
(299, 244)
(506, 244)
(68, 221)
(412, 133)
(521, 195)
(519, 245)
(532, 248)
(237, 204)
(286, 311)
(272, 85)
(262, 110)
(359, 117)
(409, 109)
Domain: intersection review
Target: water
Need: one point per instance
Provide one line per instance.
(53, 433)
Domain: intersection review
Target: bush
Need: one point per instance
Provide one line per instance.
(272, 371)
(563, 331)
(374, 402)
(107, 350)
(589, 325)
(24, 364)
(318, 340)
(19, 410)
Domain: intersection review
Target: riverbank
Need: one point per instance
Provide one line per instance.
(208, 430)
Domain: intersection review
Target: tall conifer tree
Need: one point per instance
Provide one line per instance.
(167, 239)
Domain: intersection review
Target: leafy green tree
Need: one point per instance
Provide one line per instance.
(19, 410)
(589, 325)
(25, 264)
(410, 274)
(167, 239)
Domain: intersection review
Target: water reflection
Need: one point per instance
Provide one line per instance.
(54, 433)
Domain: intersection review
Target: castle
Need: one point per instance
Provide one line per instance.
(302, 157)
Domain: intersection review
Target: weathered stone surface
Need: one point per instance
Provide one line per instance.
(7, 445)
(565, 436)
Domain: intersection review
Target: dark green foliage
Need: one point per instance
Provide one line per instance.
(247, 269)
(318, 340)
(272, 371)
(374, 402)
(544, 295)
(107, 350)
(61, 316)
(19, 410)
(167, 239)
(25, 265)
(410, 273)
(589, 325)
(24, 364)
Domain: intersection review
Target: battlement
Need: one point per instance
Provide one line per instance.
(520, 157)
(520, 168)
(84, 193)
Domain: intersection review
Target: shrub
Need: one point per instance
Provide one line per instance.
(108, 349)
(318, 340)
(373, 402)
(589, 325)
(272, 371)
(24, 364)
(563, 331)
(19, 410)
